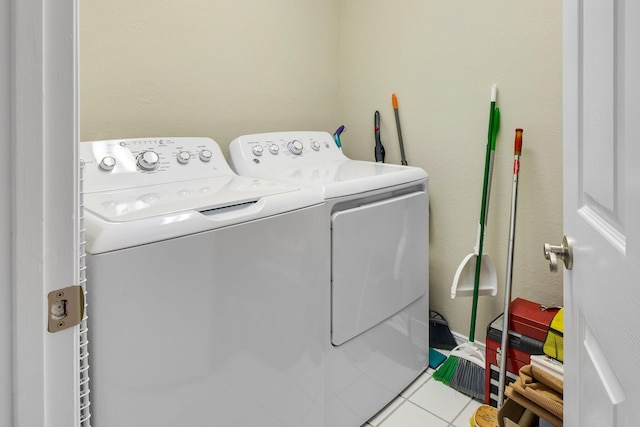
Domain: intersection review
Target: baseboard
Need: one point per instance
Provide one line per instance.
(462, 339)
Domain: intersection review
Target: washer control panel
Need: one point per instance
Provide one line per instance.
(281, 150)
(127, 163)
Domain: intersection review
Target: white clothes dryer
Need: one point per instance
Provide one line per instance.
(204, 290)
(376, 236)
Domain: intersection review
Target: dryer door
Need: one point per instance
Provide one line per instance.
(380, 262)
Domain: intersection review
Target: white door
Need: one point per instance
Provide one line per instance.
(602, 212)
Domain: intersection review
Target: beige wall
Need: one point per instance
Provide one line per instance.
(224, 68)
(440, 58)
(217, 68)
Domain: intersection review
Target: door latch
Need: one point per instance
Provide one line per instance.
(564, 252)
(66, 308)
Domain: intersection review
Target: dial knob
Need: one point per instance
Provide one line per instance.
(148, 160)
(257, 150)
(107, 163)
(183, 157)
(205, 155)
(315, 145)
(295, 147)
(274, 149)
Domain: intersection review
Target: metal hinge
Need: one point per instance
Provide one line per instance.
(66, 308)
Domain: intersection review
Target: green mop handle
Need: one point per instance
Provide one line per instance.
(483, 211)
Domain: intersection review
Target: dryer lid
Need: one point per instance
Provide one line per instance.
(346, 177)
(314, 162)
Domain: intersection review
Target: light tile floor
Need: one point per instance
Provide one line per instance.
(426, 403)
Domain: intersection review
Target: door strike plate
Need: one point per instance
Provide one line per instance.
(66, 308)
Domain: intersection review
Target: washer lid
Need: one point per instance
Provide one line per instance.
(122, 219)
(143, 190)
(197, 195)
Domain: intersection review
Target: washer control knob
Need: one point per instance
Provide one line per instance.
(274, 149)
(205, 155)
(148, 160)
(315, 145)
(183, 157)
(257, 150)
(107, 163)
(295, 147)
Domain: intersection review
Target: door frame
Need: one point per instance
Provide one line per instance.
(45, 208)
(6, 317)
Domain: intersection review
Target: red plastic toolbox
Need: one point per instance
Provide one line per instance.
(530, 319)
(528, 329)
(518, 355)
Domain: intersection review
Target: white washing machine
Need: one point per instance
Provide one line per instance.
(204, 290)
(376, 244)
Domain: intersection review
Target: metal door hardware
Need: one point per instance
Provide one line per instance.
(66, 308)
(564, 252)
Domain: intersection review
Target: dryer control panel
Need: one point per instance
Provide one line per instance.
(277, 150)
(312, 159)
(127, 163)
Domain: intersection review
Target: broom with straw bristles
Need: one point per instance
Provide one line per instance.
(464, 369)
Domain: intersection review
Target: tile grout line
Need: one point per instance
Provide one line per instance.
(401, 400)
(431, 413)
(386, 417)
(455, 417)
(417, 388)
(461, 411)
(404, 399)
(407, 399)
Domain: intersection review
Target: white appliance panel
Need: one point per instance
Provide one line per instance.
(115, 164)
(184, 193)
(219, 328)
(369, 371)
(378, 262)
(205, 290)
(326, 169)
(382, 349)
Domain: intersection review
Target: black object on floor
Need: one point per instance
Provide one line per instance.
(440, 335)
